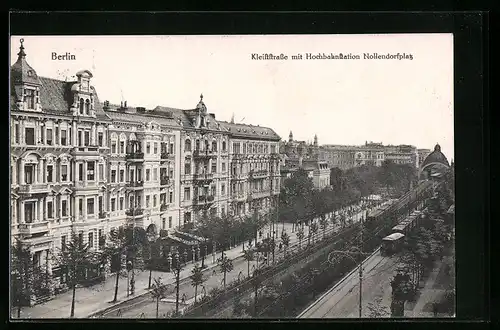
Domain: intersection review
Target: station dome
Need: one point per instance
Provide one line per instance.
(435, 157)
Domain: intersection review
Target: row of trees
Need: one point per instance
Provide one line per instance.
(423, 248)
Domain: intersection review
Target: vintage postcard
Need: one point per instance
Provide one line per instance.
(232, 176)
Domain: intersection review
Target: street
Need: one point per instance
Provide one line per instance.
(145, 307)
(343, 300)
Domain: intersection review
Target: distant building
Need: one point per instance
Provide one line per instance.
(434, 164)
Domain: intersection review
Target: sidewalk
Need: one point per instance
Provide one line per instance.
(97, 298)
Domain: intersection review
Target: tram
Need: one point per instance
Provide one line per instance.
(408, 224)
(391, 244)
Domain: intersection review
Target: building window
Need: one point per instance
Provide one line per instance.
(148, 148)
(113, 204)
(91, 171)
(29, 98)
(80, 205)
(121, 203)
(101, 172)
(50, 211)
(63, 243)
(171, 148)
(155, 174)
(224, 146)
(214, 167)
(223, 167)
(63, 137)
(100, 138)
(80, 172)
(81, 106)
(64, 205)
(187, 168)
(122, 147)
(87, 138)
(90, 206)
(187, 145)
(223, 211)
(236, 148)
(147, 201)
(87, 107)
(170, 197)
(155, 149)
(91, 240)
(187, 194)
(122, 175)
(223, 189)
(49, 173)
(80, 239)
(214, 146)
(49, 136)
(154, 201)
(30, 136)
(113, 147)
(101, 206)
(80, 141)
(213, 191)
(113, 176)
(163, 224)
(147, 174)
(169, 222)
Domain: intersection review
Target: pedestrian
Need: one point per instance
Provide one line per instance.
(183, 298)
(435, 309)
(260, 234)
(280, 246)
(214, 272)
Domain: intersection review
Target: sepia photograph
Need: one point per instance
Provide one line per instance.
(232, 176)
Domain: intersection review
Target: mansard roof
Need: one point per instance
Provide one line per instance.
(250, 131)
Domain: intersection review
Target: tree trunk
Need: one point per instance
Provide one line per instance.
(116, 285)
(72, 314)
(177, 276)
(224, 278)
(248, 268)
(195, 293)
(157, 305)
(19, 311)
(150, 274)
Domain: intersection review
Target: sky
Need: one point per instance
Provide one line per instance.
(341, 101)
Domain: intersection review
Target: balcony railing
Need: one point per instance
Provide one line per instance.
(204, 153)
(102, 215)
(34, 227)
(203, 177)
(258, 174)
(240, 197)
(85, 149)
(134, 212)
(134, 156)
(206, 198)
(163, 207)
(165, 181)
(238, 156)
(38, 188)
(135, 184)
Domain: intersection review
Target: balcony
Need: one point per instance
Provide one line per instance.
(238, 156)
(135, 213)
(258, 174)
(261, 194)
(204, 154)
(163, 207)
(102, 215)
(238, 176)
(135, 185)
(203, 179)
(165, 181)
(239, 197)
(40, 188)
(85, 151)
(134, 156)
(34, 228)
(275, 155)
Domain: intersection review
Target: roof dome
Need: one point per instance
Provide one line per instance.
(21, 72)
(436, 157)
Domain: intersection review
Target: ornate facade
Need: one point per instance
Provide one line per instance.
(79, 165)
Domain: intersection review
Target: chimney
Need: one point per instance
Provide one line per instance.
(212, 114)
(125, 104)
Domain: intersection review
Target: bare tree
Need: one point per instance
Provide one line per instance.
(249, 256)
(226, 266)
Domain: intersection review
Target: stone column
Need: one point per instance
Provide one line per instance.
(41, 178)
(36, 172)
(14, 172)
(84, 208)
(36, 217)
(41, 204)
(74, 139)
(75, 207)
(21, 132)
(92, 135)
(44, 128)
(21, 212)
(85, 173)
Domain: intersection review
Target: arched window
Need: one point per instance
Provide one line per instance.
(214, 146)
(81, 106)
(87, 107)
(223, 145)
(187, 145)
